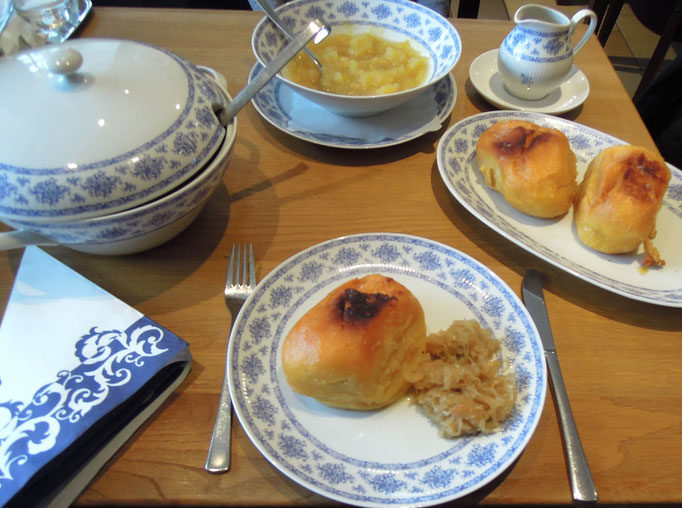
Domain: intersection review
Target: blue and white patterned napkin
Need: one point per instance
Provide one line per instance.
(79, 371)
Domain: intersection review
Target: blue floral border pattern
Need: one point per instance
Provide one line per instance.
(113, 365)
(131, 177)
(431, 30)
(268, 103)
(466, 463)
(537, 46)
(141, 222)
(456, 153)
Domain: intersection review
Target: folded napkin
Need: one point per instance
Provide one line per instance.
(80, 371)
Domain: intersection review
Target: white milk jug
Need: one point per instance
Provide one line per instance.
(537, 55)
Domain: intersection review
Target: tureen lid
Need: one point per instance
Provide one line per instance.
(95, 126)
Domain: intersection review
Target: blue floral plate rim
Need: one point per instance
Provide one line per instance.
(372, 458)
(555, 240)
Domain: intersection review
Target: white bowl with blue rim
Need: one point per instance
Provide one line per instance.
(102, 130)
(397, 20)
(96, 126)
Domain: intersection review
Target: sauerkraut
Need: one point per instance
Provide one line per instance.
(461, 383)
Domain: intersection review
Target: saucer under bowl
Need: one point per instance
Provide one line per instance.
(295, 115)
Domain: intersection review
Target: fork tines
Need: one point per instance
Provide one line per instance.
(248, 264)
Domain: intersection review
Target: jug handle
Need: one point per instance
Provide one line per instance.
(578, 16)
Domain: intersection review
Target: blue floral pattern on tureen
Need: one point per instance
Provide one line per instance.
(420, 23)
(555, 240)
(90, 189)
(143, 221)
(392, 456)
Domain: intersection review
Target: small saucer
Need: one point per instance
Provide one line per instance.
(487, 80)
(301, 118)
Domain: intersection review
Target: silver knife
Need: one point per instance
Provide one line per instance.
(582, 484)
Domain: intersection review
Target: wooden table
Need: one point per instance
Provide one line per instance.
(620, 357)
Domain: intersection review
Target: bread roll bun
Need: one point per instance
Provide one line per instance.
(350, 350)
(533, 167)
(619, 199)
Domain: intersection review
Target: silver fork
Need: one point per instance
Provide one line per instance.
(236, 292)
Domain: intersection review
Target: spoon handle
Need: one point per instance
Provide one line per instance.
(287, 53)
(272, 15)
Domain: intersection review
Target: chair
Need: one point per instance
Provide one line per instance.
(607, 12)
(468, 8)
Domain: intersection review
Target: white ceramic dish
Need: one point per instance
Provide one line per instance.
(140, 228)
(297, 116)
(428, 32)
(78, 146)
(392, 456)
(555, 240)
(486, 78)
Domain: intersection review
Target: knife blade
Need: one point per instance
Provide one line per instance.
(582, 483)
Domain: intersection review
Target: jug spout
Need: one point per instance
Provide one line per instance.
(541, 16)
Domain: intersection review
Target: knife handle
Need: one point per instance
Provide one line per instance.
(582, 483)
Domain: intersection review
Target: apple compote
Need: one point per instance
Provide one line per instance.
(359, 64)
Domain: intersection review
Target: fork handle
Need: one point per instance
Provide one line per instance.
(218, 459)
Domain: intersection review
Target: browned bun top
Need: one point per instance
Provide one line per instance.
(632, 172)
(513, 139)
(533, 167)
(350, 349)
(619, 199)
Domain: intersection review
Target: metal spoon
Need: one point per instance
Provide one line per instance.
(315, 30)
(272, 15)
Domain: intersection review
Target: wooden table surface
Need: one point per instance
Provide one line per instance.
(620, 358)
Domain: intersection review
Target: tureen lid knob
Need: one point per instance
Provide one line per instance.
(64, 60)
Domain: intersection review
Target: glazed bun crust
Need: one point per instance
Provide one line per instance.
(533, 167)
(351, 349)
(619, 199)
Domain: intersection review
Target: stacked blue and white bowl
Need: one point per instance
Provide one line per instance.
(109, 146)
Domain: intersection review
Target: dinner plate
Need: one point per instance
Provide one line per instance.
(392, 456)
(487, 80)
(290, 112)
(556, 240)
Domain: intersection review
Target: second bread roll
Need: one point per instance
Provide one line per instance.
(619, 199)
(533, 167)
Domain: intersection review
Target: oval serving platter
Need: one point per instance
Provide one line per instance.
(556, 240)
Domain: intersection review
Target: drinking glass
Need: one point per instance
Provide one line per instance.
(5, 12)
(50, 19)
